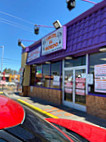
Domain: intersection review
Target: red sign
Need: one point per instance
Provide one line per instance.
(4, 76)
(80, 85)
(83, 80)
(68, 90)
(80, 92)
(69, 84)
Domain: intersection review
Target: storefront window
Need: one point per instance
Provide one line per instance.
(97, 71)
(55, 75)
(46, 75)
(38, 80)
(80, 61)
(32, 75)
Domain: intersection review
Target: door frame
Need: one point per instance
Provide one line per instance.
(73, 104)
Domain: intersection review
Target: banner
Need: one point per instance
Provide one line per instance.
(34, 54)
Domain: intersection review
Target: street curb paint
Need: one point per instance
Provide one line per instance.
(37, 109)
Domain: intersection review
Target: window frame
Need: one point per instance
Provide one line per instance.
(41, 86)
(99, 94)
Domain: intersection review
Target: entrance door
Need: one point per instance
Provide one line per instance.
(74, 87)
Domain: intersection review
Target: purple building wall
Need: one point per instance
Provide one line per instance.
(85, 34)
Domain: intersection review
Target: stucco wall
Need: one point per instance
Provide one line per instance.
(23, 59)
(26, 79)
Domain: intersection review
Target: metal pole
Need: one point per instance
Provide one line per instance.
(2, 58)
(89, 1)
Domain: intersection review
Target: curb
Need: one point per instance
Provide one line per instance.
(37, 109)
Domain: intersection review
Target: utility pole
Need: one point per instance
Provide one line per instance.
(2, 57)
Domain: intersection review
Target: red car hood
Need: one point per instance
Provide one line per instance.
(89, 132)
(11, 113)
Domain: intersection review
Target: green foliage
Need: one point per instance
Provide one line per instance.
(10, 71)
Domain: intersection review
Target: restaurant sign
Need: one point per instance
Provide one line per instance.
(34, 54)
(54, 42)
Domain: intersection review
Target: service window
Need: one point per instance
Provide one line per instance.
(97, 72)
(38, 78)
(56, 75)
(32, 75)
(46, 75)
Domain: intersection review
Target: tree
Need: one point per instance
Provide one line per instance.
(10, 71)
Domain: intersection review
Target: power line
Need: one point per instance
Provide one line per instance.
(13, 24)
(5, 13)
(10, 59)
(24, 20)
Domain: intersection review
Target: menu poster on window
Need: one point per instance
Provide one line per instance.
(83, 80)
(80, 85)
(100, 78)
(68, 90)
(80, 92)
(56, 80)
(69, 84)
(100, 85)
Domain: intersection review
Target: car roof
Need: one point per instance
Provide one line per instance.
(11, 113)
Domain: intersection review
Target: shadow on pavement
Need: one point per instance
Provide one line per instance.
(90, 118)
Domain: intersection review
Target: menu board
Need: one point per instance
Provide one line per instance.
(100, 78)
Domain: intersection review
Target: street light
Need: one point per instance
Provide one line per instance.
(20, 44)
(36, 28)
(56, 26)
(2, 57)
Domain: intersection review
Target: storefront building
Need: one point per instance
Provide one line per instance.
(68, 66)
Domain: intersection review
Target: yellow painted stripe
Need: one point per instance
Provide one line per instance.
(37, 109)
(1, 92)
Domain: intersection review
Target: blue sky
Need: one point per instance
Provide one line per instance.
(42, 12)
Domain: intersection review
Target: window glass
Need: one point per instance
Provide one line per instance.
(75, 61)
(32, 75)
(38, 80)
(97, 68)
(46, 75)
(55, 75)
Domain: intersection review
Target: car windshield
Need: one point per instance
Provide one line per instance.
(35, 129)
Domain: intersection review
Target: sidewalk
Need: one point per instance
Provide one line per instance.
(59, 111)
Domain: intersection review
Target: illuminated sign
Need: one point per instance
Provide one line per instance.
(54, 42)
(34, 54)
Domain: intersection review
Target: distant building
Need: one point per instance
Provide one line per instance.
(10, 77)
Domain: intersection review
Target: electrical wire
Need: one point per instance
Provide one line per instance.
(14, 24)
(11, 59)
(13, 16)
